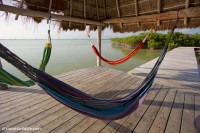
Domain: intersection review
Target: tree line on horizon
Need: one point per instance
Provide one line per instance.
(158, 40)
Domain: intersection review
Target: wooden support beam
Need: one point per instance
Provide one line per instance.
(70, 12)
(85, 14)
(187, 3)
(118, 11)
(189, 12)
(158, 22)
(50, 5)
(159, 6)
(21, 6)
(31, 13)
(99, 44)
(136, 8)
(85, 9)
(104, 8)
(97, 9)
(185, 20)
(136, 12)
(138, 24)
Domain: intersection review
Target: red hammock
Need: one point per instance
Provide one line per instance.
(122, 60)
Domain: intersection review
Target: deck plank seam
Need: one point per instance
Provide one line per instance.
(147, 108)
(158, 109)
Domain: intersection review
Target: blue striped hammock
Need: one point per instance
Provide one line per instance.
(88, 105)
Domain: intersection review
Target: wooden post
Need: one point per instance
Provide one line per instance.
(99, 44)
(3, 86)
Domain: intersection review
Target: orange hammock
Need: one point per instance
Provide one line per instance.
(122, 60)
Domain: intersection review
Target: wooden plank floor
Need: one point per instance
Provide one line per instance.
(165, 109)
(178, 69)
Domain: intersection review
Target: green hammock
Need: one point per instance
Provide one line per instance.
(7, 78)
(46, 54)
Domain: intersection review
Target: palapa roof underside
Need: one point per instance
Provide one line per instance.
(120, 15)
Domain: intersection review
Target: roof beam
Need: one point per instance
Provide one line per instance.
(136, 8)
(97, 7)
(104, 7)
(45, 15)
(159, 6)
(159, 11)
(189, 12)
(50, 5)
(136, 12)
(118, 12)
(185, 20)
(85, 9)
(70, 11)
(85, 15)
(187, 4)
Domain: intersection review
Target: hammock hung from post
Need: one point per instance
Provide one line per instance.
(7, 78)
(124, 59)
(80, 101)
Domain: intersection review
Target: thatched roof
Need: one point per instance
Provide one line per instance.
(120, 15)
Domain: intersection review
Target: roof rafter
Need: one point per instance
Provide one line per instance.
(104, 7)
(187, 4)
(189, 12)
(159, 11)
(97, 8)
(70, 12)
(45, 15)
(118, 12)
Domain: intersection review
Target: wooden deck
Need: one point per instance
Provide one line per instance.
(178, 69)
(165, 109)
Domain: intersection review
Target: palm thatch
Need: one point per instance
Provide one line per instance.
(114, 13)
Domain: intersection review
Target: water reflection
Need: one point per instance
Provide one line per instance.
(143, 54)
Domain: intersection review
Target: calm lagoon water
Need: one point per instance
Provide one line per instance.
(68, 55)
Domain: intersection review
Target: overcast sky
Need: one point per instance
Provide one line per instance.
(12, 29)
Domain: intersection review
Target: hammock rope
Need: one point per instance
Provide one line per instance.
(48, 47)
(124, 59)
(46, 53)
(7, 78)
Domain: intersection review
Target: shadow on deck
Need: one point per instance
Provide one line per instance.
(166, 109)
